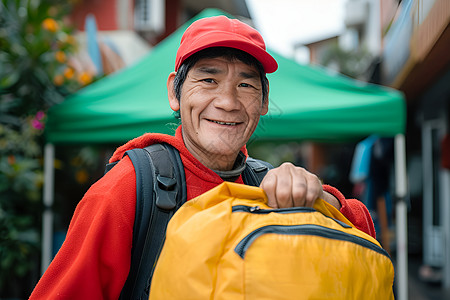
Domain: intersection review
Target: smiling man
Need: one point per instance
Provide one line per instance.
(220, 90)
(220, 105)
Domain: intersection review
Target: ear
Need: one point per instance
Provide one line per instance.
(173, 101)
(265, 106)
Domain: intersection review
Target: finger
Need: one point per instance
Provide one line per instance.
(269, 186)
(299, 187)
(283, 190)
(314, 191)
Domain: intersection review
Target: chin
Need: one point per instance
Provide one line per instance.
(222, 147)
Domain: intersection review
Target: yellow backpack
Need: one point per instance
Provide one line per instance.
(228, 244)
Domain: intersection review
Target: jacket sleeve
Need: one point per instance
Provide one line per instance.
(354, 210)
(94, 260)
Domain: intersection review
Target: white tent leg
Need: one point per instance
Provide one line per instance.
(48, 197)
(401, 217)
(446, 229)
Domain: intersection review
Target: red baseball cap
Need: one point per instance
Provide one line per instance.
(221, 31)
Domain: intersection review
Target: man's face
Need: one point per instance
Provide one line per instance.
(220, 106)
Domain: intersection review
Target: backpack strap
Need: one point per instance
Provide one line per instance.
(254, 171)
(160, 191)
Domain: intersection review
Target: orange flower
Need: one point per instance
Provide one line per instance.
(60, 56)
(68, 73)
(58, 80)
(85, 78)
(50, 25)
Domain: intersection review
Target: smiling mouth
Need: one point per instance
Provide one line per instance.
(225, 123)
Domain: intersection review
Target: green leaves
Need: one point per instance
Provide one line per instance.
(20, 193)
(31, 33)
(34, 44)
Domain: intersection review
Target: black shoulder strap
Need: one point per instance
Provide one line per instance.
(161, 190)
(255, 170)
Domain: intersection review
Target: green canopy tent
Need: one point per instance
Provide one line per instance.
(306, 103)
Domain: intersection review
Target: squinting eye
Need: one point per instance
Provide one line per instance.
(208, 80)
(245, 85)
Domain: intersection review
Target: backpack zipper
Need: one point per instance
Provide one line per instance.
(290, 210)
(305, 229)
(258, 210)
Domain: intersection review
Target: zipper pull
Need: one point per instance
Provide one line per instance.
(254, 208)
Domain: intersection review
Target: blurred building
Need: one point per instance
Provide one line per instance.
(415, 59)
(114, 34)
(410, 44)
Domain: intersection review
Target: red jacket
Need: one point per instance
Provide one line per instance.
(94, 261)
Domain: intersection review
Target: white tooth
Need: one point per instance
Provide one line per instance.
(224, 123)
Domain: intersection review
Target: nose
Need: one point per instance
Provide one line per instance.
(227, 98)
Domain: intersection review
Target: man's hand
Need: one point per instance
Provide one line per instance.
(291, 186)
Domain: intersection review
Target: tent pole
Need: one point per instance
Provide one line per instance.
(401, 217)
(48, 197)
(446, 230)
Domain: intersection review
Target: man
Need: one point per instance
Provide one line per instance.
(220, 90)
